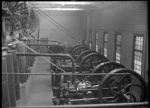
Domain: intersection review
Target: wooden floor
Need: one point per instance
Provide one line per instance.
(38, 90)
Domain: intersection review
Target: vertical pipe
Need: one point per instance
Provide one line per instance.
(22, 64)
(38, 33)
(3, 32)
(91, 30)
(84, 39)
(5, 86)
(16, 77)
(11, 82)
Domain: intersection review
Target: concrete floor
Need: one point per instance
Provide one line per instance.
(38, 90)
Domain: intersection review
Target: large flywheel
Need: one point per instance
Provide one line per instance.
(77, 51)
(74, 48)
(21, 16)
(90, 61)
(83, 54)
(104, 67)
(122, 85)
(18, 12)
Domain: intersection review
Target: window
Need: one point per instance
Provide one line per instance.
(138, 53)
(90, 39)
(117, 47)
(96, 41)
(105, 43)
(90, 45)
(7, 24)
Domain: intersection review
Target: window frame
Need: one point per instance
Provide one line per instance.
(117, 33)
(133, 51)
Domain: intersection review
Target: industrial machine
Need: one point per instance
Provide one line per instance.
(113, 83)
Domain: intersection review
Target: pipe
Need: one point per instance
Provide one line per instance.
(84, 99)
(91, 105)
(51, 55)
(67, 73)
(46, 40)
(37, 53)
(84, 89)
(35, 44)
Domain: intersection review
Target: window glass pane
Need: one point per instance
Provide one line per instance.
(96, 48)
(139, 43)
(105, 37)
(140, 54)
(117, 61)
(105, 52)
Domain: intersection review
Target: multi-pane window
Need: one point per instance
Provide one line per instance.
(90, 45)
(138, 53)
(90, 39)
(117, 47)
(7, 24)
(105, 43)
(96, 42)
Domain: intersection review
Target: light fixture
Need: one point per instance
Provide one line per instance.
(60, 9)
(64, 3)
(72, 3)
